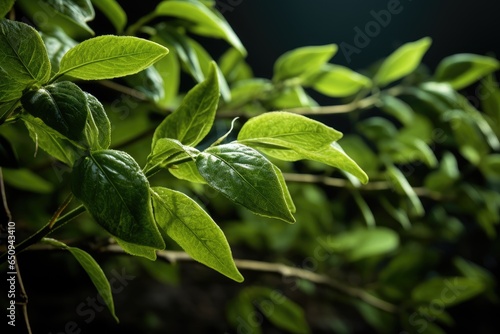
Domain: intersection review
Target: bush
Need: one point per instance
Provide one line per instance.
(141, 131)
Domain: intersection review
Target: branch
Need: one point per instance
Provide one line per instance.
(174, 257)
(342, 183)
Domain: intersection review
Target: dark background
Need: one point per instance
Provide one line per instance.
(270, 28)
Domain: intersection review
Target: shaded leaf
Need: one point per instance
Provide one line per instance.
(398, 109)
(191, 227)
(8, 156)
(27, 180)
(98, 128)
(245, 177)
(114, 12)
(57, 44)
(339, 81)
(402, 186)
(448, 290)
(116, 193)
(5, 7)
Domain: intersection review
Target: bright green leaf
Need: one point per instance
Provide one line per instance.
(287, 130)
(364, 243)
(62, 106)
(402, 62)
(206, 22)
(192, 121)
(187, 171)
(292, 97)
(137, 250)
(169, 152)
(462, 70)
(245, 177)
(448, 290)
(107, 57)
(27, 180)
(245, 91)
(339, 81)
(191, 227)
(303, 61)
(114, 12)
(23, 59)
(284, 189)
(116, 193)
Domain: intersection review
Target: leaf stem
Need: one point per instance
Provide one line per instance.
(46, 230)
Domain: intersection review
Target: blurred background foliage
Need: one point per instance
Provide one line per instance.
(420, 236)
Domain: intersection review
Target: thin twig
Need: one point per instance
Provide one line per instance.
(24, 296)
(124, 89)
(4, 197)
(276, 268)
(342, 183)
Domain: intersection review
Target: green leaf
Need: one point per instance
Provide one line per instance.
(187, 171)
(97, 276)
(490, 166)
(57, 44)
(71, 15)
(303, 61)
(23, 59)
(116, 193)
(287, 130)
(97, 128)
(167, 152)
(402, 62)
(292, 137)
(281, 311)
(402, 186)
(205, 22)
(170, 72)
(27, 180)
(149, 82)
(245, 177)
(245, 91)
(192, 121)
(364, 243)
(191, 227)
(292, 97)
(462, 70)
(179, 42)
(445, 176)
(450, 290)
(137, 250)
(93, 269)
(339, 81)
(62, 106)
(8, 156)
(5, 7)
(114, 12)
(51, 141)
(284, 189)
(364, 208)
(398, 109)
(107, 57)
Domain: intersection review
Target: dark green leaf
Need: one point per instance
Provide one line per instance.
(114, 12)
(94, 271)
(461, 70)
(490, 166)
(5, 7)
(205, 22)
(116, 193)
(23, 59)
(450, 290)
(402, 186)
(97, 128)
(107, 57)
(303, 61)
(245, 177)
(364, 243)
(339, 81)
(62, 106)
(191, 227)
(27, 180)
(364, 208)
(57, 44)
(169, 70)
(192, 121)
(8, 156)
(53, 142)
(445, 176)
(71, 15)
(149, 82)
(284, 189)
(402, 62)
(97, 276)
